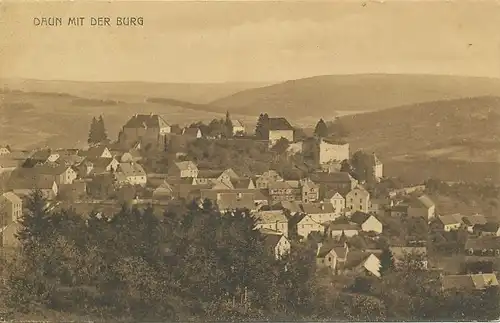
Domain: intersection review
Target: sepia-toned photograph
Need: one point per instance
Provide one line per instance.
(229, 161)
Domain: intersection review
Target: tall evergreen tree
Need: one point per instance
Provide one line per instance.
(93, 132)
(101, 130)
(261, 130)
(386, 261)
(228, 126)
(321, 130)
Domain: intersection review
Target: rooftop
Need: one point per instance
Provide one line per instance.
(279, 124)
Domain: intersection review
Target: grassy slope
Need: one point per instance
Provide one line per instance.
(32, 119)
(321, 96)
(452, 140)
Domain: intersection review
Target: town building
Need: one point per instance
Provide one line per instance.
(367, 222)
(279, 128)
(238, 128)
(341, 182)
(337, 200)
(11, 208)
(273, 220)
(330, 255)
(358, 199)
(185, 169)
(276, 243)
(131, 173)
(450, 222)
(145, 131)
(422, 207)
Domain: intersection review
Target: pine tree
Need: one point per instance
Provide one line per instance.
(321, 130)
(261, 130)
(386, 261)
(228, 126)
(101, 130)
(93, 133)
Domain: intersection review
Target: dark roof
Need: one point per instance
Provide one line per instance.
(339, 249)
(94, 152)
(51, 169)
(483, 243)
(209, 173)
(41, 155)
(191, 132)
(487, 227)
(450, 219)
(359, 217)
(279, 124)
(233, 201)
(271, 239)
(241, 183)
(422, 201)
(317, 208)
(146, 120)
(342, 226)
(336, 177)
(474, 219)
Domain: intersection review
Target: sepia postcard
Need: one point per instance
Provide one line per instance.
(193, 161)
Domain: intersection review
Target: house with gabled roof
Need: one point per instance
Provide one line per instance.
(485, 246)
(337, 200)
(207, 176)
(12, 207)
(470, 221)
(94, 152)
(488, 229)
(270, 176)
(450, 222)
(341, 182)
(422, 207)
(276, 243)
(320, 212)
(469, 282)
(279, 128)
(238, 128)
(25, 185)
(147, 130)
(163, 192)
(284, 191)
(61, 174)
(274, 220)
(192, 133)
(361, 263)
(131, 173)
(367, 222)
(41, 156)
(309, 190)
(231, 201)
(184, 169)
(358, 199)
(243, 183)
(5, 150)
(303, 225)
(338, 229)
(330, 255)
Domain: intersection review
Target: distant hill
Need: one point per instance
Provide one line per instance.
(131, 91)
(435, 129)
(30, 119)
(324, 96)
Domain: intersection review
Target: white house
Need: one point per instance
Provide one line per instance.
(358, 199)
(338, 202)
(131, 173)
(422, 207)
(274, 220)
(276, 243)
(368, 222)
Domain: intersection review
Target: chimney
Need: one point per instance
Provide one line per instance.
(320, 244)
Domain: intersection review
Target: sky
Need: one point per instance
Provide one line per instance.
(186, 42)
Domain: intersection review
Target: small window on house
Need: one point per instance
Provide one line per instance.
(329, 258)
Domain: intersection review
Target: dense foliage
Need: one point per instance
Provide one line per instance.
(193, 263)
